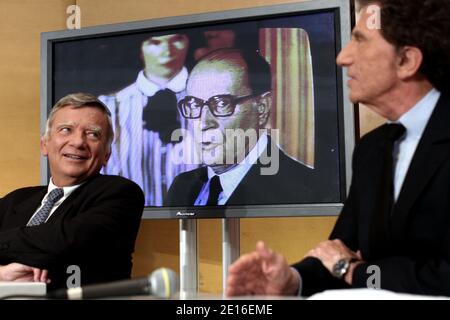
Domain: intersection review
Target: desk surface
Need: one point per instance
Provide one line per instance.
(342, 294)
(8, 288)
(36, 288)
(370, 294)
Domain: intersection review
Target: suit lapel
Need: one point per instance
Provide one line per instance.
(64, 207)
(72, 199)
(241, 195)
(247, 190)
(372, 170)
(432, 150)
(192, 191)
(26, 208)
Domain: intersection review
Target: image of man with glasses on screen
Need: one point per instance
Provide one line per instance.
(227, 106)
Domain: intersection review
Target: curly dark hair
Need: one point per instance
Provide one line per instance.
(424, 24)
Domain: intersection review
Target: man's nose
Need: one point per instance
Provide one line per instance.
(207, 119)
(344, 57)
(78, 140)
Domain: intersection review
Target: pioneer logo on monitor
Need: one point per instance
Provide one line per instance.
(179, 213)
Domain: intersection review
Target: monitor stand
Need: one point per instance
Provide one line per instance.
(230, 246)
(189, 253)
(188, 258)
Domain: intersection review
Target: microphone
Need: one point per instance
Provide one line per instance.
(162, 283)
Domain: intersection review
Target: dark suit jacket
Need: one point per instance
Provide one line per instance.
(291, 184)
(416, 249)
(94, 228)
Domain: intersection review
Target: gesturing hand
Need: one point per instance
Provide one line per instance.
(262, 272)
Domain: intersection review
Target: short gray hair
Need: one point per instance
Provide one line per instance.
(80, 100)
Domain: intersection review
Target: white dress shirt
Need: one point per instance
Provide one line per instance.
(415, 121)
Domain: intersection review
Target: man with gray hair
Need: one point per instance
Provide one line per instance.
(82, 218)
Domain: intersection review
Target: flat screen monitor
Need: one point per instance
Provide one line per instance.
(293, 160)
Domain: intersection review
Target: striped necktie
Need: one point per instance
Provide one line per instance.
(43, 213)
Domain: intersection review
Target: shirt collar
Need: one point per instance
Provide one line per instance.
(416, 119)
(149, 88)
(230, 179)
(67, 190)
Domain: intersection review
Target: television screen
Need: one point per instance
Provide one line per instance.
(240, 113)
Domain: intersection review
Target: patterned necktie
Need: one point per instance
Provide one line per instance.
(384, 205)
(215, 188)
(42, 215)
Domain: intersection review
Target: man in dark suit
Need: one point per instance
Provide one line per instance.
(82, 220)
(395, 224)
(282, 187)
(227, 105)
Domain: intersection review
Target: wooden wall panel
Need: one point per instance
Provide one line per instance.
(95, 12)
(369, 119)
(21, 22)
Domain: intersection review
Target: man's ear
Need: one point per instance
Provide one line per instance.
(263, 105)
(410, 60)
(44, 150)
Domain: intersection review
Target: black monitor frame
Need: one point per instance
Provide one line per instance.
(346, 115)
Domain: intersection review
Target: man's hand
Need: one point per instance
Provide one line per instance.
(23, 273)
(331, 251)
(262, 272)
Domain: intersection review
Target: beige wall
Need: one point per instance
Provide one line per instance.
(21, 22)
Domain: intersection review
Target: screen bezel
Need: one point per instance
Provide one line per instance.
(346, 110)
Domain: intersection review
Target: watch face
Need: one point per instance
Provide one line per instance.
(340, 268)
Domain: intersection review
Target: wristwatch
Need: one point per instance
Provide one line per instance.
(341, 267)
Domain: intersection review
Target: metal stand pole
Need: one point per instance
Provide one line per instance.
(188, 258)
(230, 246)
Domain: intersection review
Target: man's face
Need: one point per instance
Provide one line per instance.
(212, 134)
(372, 65)
(165, 55)
(77, 144)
